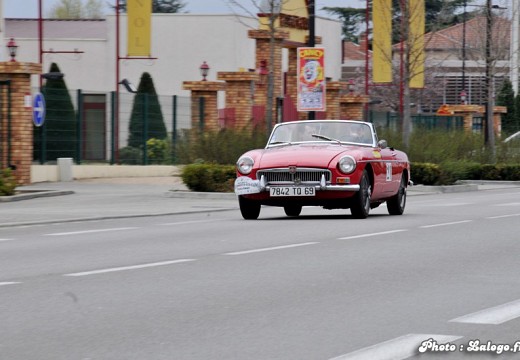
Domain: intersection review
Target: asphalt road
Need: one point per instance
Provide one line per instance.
(322, 286)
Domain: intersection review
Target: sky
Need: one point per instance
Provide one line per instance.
(29, 8)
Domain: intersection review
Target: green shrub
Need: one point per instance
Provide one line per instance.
(425, 173)
(220, 147)
(510, 172)
(130, 156)
(209, 177)
(451, 171)
(158, 151)
(7, 182)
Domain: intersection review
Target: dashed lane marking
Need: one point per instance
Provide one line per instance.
(270, 248)
(131, 267)
(372, 234)
(90, 231)
(492, 316)
(445, 224)
(502, 216)
(399, 348)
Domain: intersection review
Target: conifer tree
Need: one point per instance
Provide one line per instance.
(506, 97)
(60, 124)
(146, 100)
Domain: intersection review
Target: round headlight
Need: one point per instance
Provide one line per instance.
(347, 164)
(245, 165)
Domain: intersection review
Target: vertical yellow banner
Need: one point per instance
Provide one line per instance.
(382, 41)
(416, 43)
(139, 13)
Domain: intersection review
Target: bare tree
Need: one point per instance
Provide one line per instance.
(77, 9)
(271, 11)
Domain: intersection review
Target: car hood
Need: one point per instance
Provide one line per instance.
(303, 155)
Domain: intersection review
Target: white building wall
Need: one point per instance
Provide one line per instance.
(180, 42)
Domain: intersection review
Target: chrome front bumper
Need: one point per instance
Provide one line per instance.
(323, 186)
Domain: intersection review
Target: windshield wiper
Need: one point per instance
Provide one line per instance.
(323, 137)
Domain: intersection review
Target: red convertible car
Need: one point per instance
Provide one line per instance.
(335, 164)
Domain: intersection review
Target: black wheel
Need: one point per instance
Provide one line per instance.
(292, 210)
(396, 203)
(361, 205)
(250, 209)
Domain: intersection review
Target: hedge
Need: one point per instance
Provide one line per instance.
(220, 178)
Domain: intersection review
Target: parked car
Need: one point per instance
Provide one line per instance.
(335, 164)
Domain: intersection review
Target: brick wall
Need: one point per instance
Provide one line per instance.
(209, 91)
(241, 87)
(18, 143)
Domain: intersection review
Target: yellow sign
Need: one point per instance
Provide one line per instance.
(417, 19)
(139, 13)
(293, 17)
(382, 41)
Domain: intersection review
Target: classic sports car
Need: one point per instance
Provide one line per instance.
(336, 164)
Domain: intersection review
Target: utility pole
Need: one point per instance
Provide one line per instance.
(489, 135)
(312, 39)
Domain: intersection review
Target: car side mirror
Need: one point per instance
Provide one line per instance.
(382, 144)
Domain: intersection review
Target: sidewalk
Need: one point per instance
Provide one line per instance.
(106, 198)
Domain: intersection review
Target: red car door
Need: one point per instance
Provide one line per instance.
(392, 170)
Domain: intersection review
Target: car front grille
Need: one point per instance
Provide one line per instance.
(297, 176)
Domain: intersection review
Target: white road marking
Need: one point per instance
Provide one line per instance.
(131, 267)
(502, 216)
(492, 316)
(270, 248)
(188, 222)
(90, 231)
(452, 204)
(9, 283)
(509, 204)
(446, 224)
(399, 348)
(372, 234)
(6, 239)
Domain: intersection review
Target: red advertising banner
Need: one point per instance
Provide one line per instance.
(311, 79)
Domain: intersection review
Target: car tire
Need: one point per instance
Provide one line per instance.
(397, 203)
(249, 209)
(292, 210)
(361, 205)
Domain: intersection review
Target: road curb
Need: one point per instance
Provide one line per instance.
(33, 194)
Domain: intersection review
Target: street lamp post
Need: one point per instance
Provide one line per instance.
(12, 47)
(204, 70)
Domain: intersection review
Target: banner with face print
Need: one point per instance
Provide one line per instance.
(311, 79)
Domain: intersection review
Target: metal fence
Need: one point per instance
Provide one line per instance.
(92, 127)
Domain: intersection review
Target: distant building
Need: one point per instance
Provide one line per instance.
(445, 66)
(180, 42)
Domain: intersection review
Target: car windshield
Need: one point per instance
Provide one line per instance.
(319, 131)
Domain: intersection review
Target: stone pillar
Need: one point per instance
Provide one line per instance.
(334, 89)
(468, 111)
(16, 138)
(240, 93)
(352, 106)
(497, 118)
(263, 40)
(209, 91)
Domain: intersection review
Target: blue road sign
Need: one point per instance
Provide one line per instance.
(38, 109)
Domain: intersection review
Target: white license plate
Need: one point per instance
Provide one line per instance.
(292, 191)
